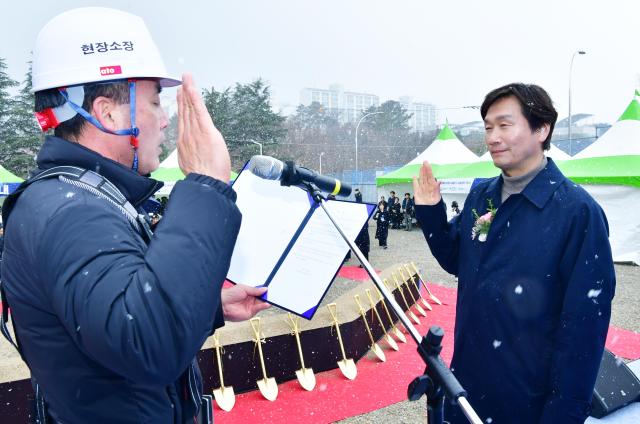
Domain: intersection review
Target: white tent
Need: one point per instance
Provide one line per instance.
(622, 139)
(617, 152)
(445, 150)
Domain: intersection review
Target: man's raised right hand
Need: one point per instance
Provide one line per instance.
(426, 189)
(201, 147)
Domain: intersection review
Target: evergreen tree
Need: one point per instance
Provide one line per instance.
(394, 117)
(6, 104)
(242, 114)
(23, 138)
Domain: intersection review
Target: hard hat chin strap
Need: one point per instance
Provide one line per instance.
(133, 132)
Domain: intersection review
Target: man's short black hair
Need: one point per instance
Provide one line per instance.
(72, 129)
(535, 103)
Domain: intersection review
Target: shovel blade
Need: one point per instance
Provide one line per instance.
(426, 305)
(399, 334)
(435, 299)
(306, 378)
(378, 352)
(348, 368)
(392, 343)
(268, 388)
(414, 318)
(225, 398)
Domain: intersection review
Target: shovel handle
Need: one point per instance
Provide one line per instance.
(407, 283)
(218, 347)
(255, 326)
(364, 318)
(384, 306)
(375, 311)
(401, 292)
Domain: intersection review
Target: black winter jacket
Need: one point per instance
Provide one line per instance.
(108, 323)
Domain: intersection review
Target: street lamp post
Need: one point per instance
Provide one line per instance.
(570, 71)
(259, 144)
(358, 126)
(321, 154)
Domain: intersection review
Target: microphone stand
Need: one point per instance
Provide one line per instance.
(437, 378)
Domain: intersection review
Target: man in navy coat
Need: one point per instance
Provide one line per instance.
(536, 276)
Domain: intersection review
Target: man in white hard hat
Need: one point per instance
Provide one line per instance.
(108, 316)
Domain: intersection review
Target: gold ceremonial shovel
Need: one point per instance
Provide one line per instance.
(413, 298)
(374, 346)
(224, 396)
(409, 311)
(392, 343)
(267, 386)
(347, 366)
(396, 331)
(306, 377)
(413, 280)
(424, 283)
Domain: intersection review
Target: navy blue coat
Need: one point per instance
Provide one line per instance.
(108, 324)
(534, 299)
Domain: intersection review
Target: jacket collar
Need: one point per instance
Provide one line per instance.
(538, 191)
(56, 152)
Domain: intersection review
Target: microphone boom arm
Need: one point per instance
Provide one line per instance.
(438, 374)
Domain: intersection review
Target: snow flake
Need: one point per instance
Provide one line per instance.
(593, 293)
(496, 344)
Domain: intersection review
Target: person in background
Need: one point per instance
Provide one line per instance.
(455, 209)
(382, 229)
(358, 195)
(382, 200)
(393, 208)
(407, 211)
(363, 241)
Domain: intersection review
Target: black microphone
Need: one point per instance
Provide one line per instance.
(290, 174)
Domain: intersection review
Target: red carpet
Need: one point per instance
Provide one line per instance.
(377, 384)
(354, 273)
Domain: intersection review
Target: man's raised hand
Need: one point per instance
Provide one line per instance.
(201, 147)
(426, 189)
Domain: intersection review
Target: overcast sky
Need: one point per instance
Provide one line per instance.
(449, 53)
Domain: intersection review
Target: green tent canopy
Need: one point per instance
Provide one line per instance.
(7, 176)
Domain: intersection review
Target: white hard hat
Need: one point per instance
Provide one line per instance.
(94, 44)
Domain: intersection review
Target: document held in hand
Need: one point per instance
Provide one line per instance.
(288, 244)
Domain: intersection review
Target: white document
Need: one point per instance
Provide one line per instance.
(288, 244)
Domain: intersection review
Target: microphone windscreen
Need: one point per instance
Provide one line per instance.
(266, 167)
